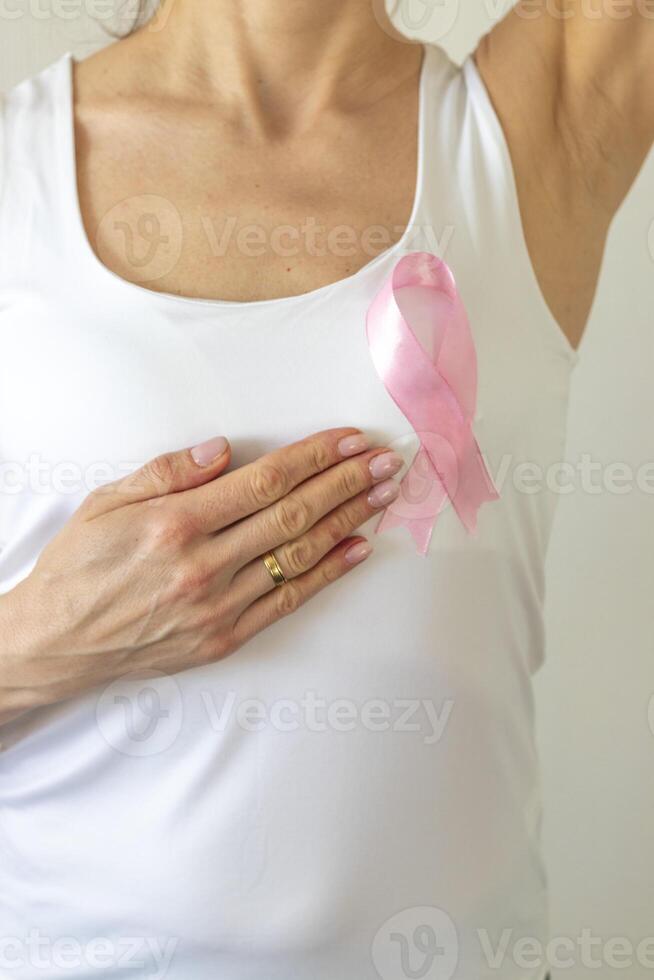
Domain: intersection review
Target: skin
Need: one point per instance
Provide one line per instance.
(163, 570)
(275, 113)
(579, 125)
(253, 111)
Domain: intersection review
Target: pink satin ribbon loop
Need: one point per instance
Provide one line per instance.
(433, 381)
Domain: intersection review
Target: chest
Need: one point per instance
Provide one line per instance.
(108, 377)
(206, 211)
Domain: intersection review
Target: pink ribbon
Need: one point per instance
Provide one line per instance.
(434, 383)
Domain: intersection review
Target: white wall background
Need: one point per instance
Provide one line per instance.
(596, 742)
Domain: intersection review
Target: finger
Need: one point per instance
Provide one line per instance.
(163, 475)
(297, 557)
(295, 514)
(288, 598)
(257, 485)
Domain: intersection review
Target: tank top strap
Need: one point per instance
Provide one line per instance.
(436, 78)
(35, 170)
(469, 211)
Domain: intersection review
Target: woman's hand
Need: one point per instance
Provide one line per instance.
(163, 569)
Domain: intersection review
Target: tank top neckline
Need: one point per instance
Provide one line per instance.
(87, 255)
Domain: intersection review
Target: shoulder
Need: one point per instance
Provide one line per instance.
(462, 117)
(459, 93)
(35, 88)
(30, 104)
(32, 114)
(27, 113)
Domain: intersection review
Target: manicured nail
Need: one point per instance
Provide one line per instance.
(208, 451)
(358, 552)
(386, 464)
(351, 445)
(383, 493)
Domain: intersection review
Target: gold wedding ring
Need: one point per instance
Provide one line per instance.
(273, 566)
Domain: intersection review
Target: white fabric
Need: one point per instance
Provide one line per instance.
(264, 842)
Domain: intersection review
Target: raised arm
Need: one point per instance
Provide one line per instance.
(572, 82)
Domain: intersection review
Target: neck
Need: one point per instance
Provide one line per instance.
(282, 53)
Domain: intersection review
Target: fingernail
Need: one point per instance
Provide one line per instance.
(383, 493)
(358, 552)
(351, 445)
(208, 451)
(386, 464)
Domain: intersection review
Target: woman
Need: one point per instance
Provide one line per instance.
(194, 224)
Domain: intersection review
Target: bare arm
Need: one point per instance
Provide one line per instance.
(573, 84)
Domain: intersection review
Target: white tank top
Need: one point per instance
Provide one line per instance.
(355, 793)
